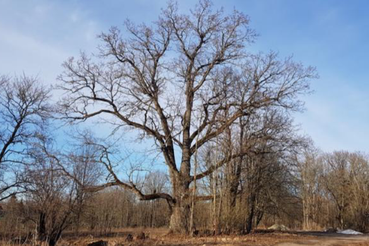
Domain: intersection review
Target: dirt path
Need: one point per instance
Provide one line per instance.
(329, 241)
(283, 239)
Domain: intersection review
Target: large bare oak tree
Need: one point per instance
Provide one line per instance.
(181, 81)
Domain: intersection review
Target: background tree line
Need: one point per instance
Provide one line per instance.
(218, 149)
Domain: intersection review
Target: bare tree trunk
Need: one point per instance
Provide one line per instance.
(193, 193)
(179, 220)
(251, 213)
(215, 182)
(215, 219)
(259, 216)
(151, 214)
(41, 228)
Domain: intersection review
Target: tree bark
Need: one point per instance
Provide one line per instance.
(179, 220)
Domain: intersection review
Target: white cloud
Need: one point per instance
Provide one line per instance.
(36, 39)
(25, 53)
(336, 116)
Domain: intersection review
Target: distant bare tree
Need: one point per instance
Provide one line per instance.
(337, 182)
(359, 204)
(56, 196)
(51, 197)
(163, 79)
(24, 108)
(345, 182)
(86, 172)
(312, 189)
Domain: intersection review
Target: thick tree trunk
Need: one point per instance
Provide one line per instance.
(181, 207)
(179, 220)
(180, 217)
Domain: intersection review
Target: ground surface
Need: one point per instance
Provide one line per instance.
(161, 237)
(133, 237)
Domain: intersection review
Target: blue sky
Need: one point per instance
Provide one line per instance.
(36, 36)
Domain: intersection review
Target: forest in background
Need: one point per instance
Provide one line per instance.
(218, 151)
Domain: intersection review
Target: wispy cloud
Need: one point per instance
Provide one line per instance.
(37, 38)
